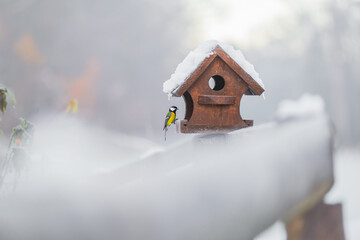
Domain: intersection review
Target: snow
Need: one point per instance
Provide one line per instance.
(307, 105)
(64, 145)
(276, 231)
(197, 56)
(197, 188)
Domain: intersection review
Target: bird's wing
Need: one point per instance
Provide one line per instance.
(168, 115)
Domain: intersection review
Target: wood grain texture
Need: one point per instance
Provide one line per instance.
(216, 100)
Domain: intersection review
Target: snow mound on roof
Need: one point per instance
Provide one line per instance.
(197, 56)
(307, 105)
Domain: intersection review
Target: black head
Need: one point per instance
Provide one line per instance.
(173, 109)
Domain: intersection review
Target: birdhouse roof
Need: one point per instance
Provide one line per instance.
(199, 59)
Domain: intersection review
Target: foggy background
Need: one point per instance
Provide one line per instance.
(113, 56)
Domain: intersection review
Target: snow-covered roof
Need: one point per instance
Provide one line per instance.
(193, 60)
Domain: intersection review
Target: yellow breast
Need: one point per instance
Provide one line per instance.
(171, 119)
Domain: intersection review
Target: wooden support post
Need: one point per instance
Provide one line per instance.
(323, 222)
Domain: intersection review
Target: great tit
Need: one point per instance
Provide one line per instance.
(170, 118)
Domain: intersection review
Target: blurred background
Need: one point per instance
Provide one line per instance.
(113, 56)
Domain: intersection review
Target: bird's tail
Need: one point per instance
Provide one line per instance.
(165, 130)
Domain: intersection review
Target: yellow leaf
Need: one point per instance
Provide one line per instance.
(73, 105)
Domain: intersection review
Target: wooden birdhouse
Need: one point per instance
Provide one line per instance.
(212, 80)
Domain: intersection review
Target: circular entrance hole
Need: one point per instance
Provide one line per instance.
(216, 82)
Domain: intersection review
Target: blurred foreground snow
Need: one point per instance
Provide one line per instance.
(67, 151)
(63, 193)
(84, 183)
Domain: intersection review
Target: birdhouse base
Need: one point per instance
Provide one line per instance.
(186, 127)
